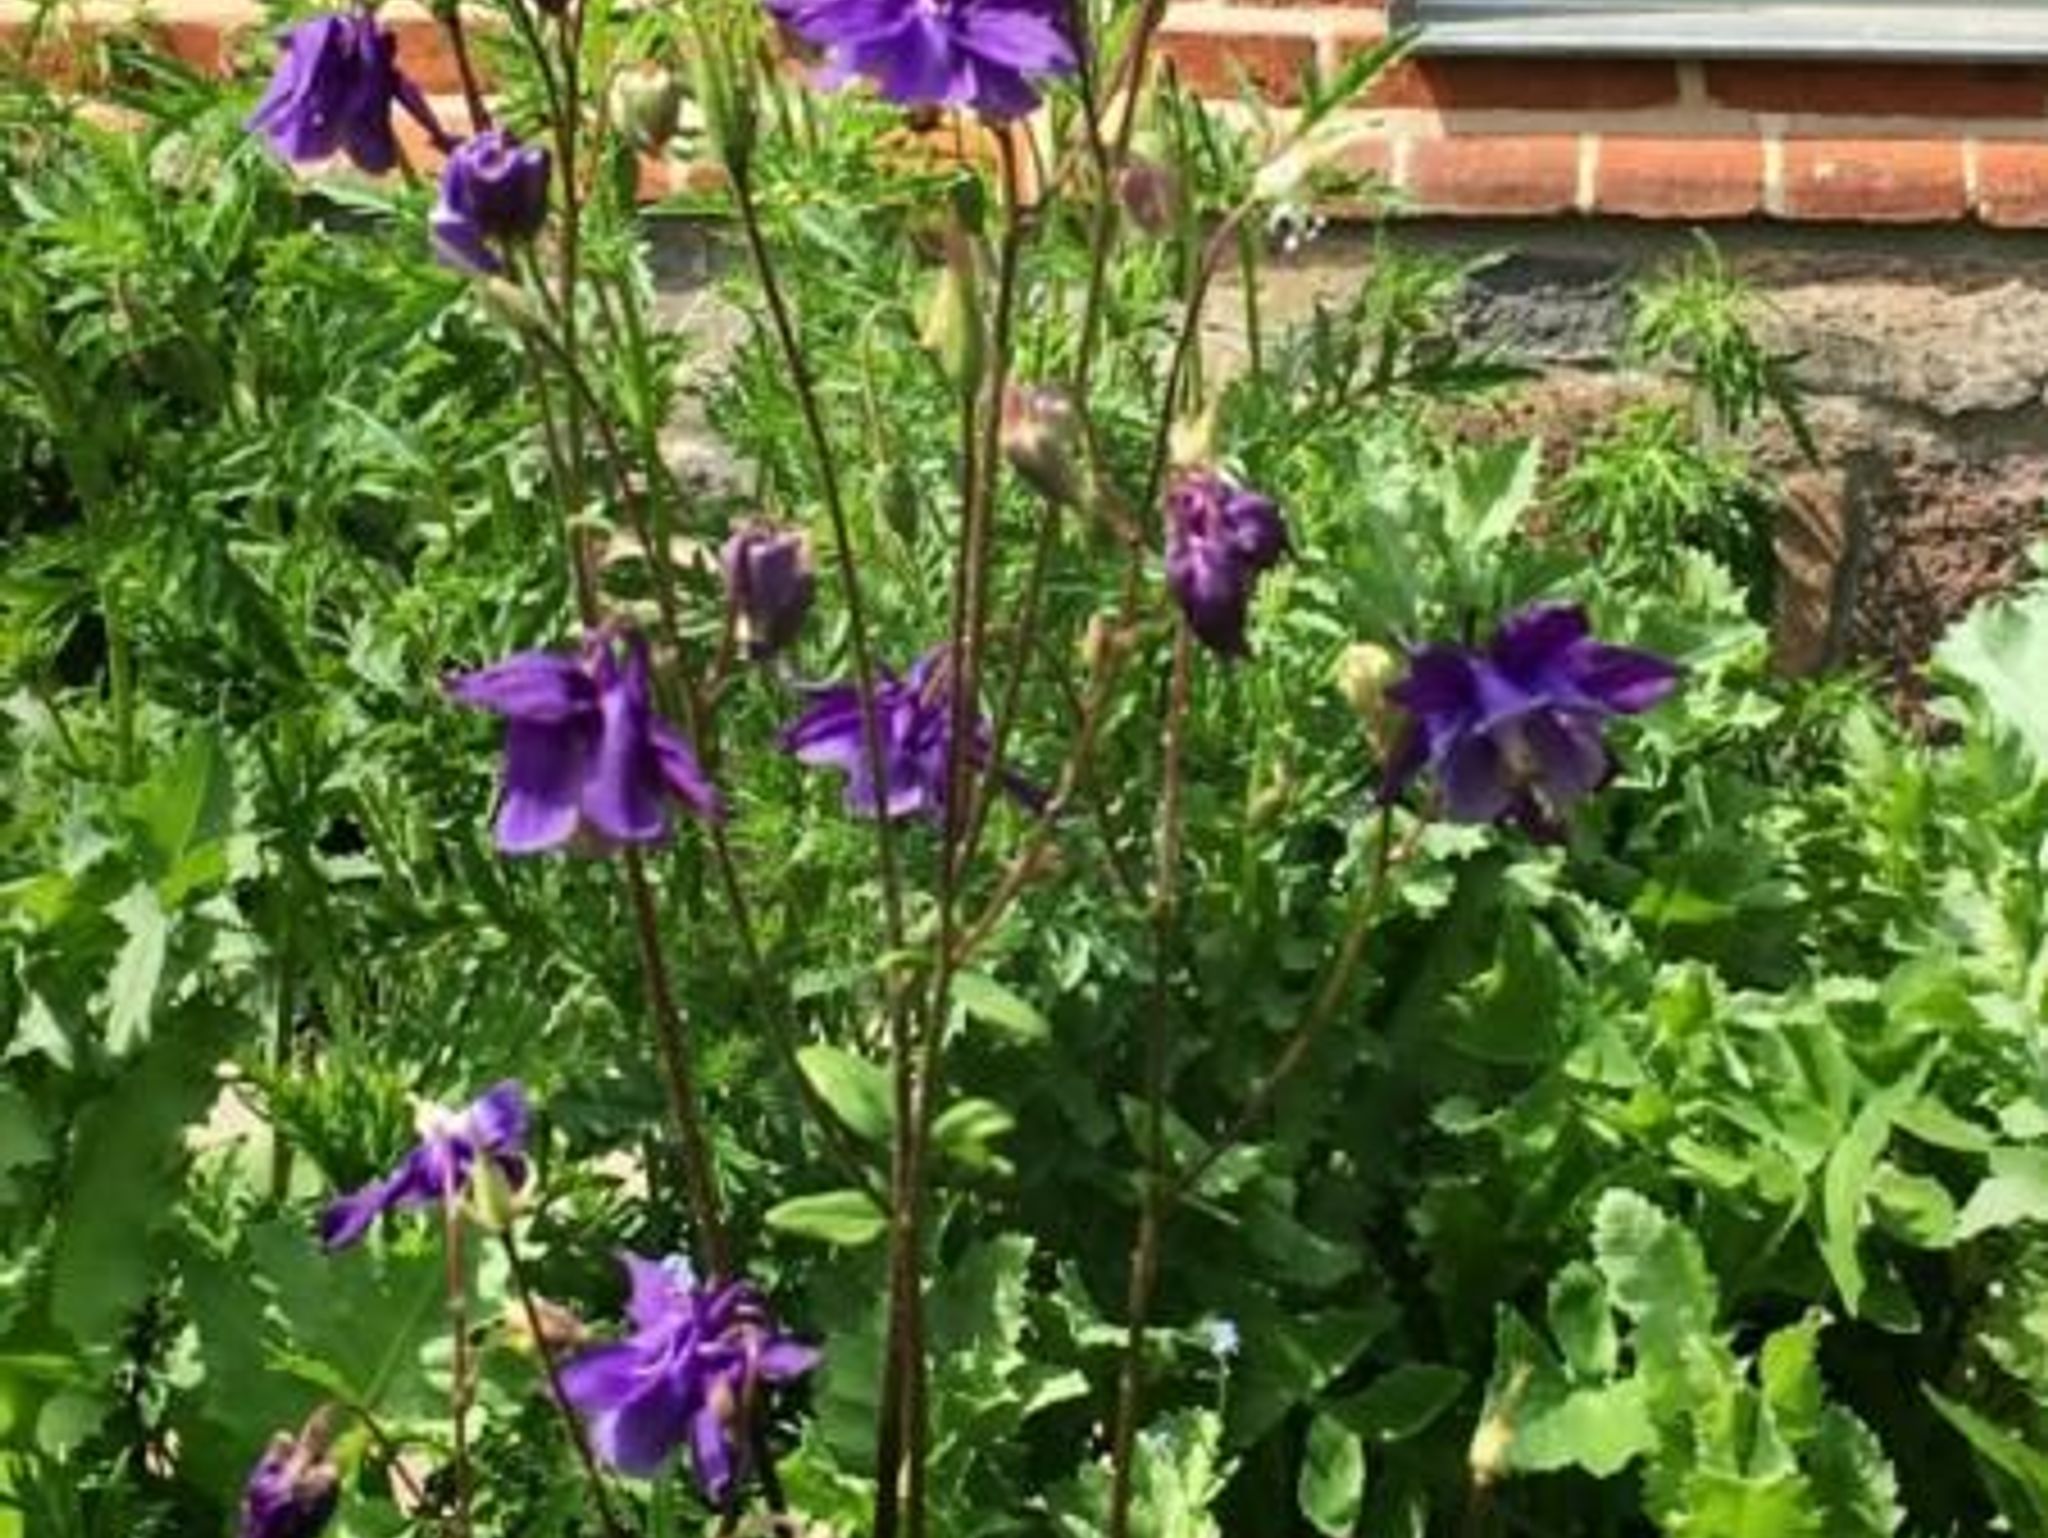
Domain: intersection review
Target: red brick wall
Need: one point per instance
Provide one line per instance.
(1651, 139)
(1654, 139)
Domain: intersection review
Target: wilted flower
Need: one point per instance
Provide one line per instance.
(646, 101)
(438, 1168)
(983, 54)
(692, 1370)
(1514, 730)
(1150, 194)
(293, 1490)
(1041, 438)
(914, 720)
(769, 585)
(585, 754)
(337, 80)
(1220, 539)
(494, 193)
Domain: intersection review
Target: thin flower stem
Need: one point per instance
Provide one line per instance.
(458, 1329)
(1322, 1009)
(572, 1424)
(671, 1036)
(1153, 1199)
(450, 16)
(392, 1454)
(1219, 246)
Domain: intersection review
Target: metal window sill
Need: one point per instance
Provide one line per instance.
(1957, 32)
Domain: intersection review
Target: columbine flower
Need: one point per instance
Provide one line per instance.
(914, 720)
(438, 1169)
(1220, 539)
(585, 754)
(692, 1370)
(982, 54)
(337, 80)
(494, 193)
(769, 585)
(293, 1490)
(1514, 730)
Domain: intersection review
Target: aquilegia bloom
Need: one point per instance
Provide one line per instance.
(691, 1371)
(1514, 730)
(438, 1168)
(494, 193)
(769, 586)
(293, 1490)
(337, 80)
(1220, 539)
(914, 720)
(983, 54)
(585, 754)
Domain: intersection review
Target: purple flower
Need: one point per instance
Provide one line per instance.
(982, 54)
(1514, 730)
(768, 583)
(691, 1370)
(914, 720)
(585, 754)
(337, 80)
(293, 1490)
(494, 193)
(438, 1168)
(1220, 539)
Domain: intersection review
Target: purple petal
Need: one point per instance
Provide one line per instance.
(545, 766)
(500, 1117)
(1022, 37)
(1475, 781)
(711, 1450)
(656, 1291)
(638, 1436)
(528, 686)
(347, 1218)
(1571, 761)
(602, 1379)
(784, 1361)
(622, 789)
(1623, 679)
(1530, 642)
(684, 776)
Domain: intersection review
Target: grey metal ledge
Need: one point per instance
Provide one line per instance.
(1933, 31)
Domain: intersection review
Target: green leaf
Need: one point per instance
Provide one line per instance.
(1401, 1404)
(850, 1218)
(1582, 1320)
(1331, 1487)
(965, 1129)
(23, 1141)
(138, 970)
(986, 999)
(188, 801)
(1489, 490)
(1916, 1209)
(1721, 1504)
(1789, 1367)
(2025, 1466)
(1853, 1479)
(2001, 651)
(1846, 1185)
(857, 1091)
(1601, 1430)
(2015, 1192)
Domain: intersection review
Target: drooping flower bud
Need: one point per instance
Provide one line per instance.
(646, 103)
(954, 327)
(1041, 436)
(294, 1489)
(1150, 193)
(494, 194)
(769, 585)
(1363, 675)
(560, 1328)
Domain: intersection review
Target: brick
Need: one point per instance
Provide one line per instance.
(1874, 181)
(1483, 85)
(1646, 178)
(2012, 185)
(1496, 174)
(1210, 62)
(1880, 90)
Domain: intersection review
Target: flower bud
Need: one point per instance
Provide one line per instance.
(1272, 799)
(769, 586)
(646, 103)
(1150, 194)
(494, 193)
(954, 328)
(1363, 675)
(294, 1489)
(1041, 435)
(1102, 643)
(560, 1328)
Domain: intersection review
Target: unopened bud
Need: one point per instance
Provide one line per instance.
(1272, 799)
(1150, 195)
(769, 586)
(1102, 643)
(954, 329)
(646, 103)
(560, 1328)
(1494, 1440)
(1041, 438)
(1364, 674)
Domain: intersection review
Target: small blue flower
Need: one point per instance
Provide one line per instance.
(494, 1127)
